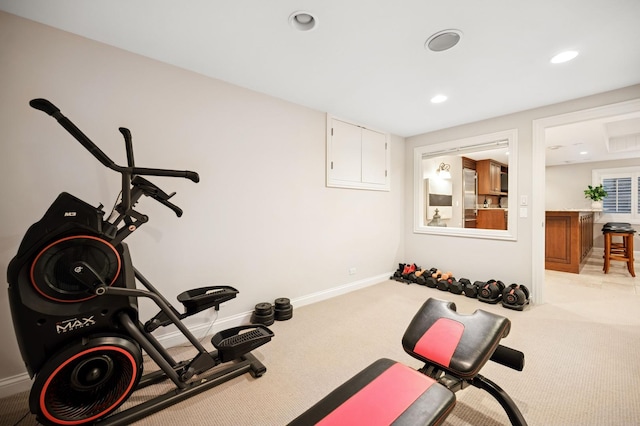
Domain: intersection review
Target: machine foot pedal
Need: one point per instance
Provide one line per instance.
(202, 298)
(194, 301)
(237, 341)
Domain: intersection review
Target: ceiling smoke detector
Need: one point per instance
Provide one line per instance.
(443, 40)
(302, 21)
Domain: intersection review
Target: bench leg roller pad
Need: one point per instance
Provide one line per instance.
(385, 393)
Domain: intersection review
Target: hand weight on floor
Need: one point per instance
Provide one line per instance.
(491, 291)
(456, 287)
(263, 314)
(468, 288)
(515, 296)
(283, 309)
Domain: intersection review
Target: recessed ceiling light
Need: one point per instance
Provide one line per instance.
(437, 99)
(564, 57)
(443, 40)
(302, 21)
(583, 152)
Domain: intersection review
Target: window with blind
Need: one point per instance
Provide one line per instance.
(622, 203)
(618, 199)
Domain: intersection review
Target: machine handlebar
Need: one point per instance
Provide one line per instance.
(44, 105)
(130, 171)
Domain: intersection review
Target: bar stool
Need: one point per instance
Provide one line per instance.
(618, 250)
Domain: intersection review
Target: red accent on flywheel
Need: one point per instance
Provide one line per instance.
(107, 408)
(44, 250)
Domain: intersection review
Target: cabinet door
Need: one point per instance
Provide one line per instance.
(346, 146)
(484, 177)
(489, 177)
(357, 157)
(374, 157)
(491, 219)
(495, 177)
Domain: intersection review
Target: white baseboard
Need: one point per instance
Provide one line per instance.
(337, 291)
(21, 382)
(14, 384)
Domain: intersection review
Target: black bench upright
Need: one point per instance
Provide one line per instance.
(453, 346)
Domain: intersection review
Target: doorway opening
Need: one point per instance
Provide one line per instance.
(538, 168)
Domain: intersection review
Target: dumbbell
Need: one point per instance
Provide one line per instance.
(408, 273)
(420, 276)
(470, 289)
(442, 282)
(445, 280)
(456, 287)
(491, 291)
(515, 296)
(397, 275)
(431, 282)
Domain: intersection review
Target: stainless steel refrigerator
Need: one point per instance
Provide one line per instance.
(469, 193)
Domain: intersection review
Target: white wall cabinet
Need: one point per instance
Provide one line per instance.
(357, 157)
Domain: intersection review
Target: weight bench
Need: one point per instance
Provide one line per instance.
(454, 347)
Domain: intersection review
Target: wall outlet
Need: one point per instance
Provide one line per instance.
(352, 271)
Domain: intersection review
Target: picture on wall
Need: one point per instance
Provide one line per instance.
(439, 196)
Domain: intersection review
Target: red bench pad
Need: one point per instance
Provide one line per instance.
(459, 343)
(385, 393)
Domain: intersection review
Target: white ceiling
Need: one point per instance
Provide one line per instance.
(366, 61)
(613, 138)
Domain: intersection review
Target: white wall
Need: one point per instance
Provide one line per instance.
(482, 259)
(261, 219)
(565, 187)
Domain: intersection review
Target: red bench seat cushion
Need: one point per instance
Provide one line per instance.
(384, 393)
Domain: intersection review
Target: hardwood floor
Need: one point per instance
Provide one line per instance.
(618, 279)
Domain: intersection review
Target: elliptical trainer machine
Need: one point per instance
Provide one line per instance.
(74, 304)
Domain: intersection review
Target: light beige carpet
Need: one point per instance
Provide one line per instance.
(582, 365)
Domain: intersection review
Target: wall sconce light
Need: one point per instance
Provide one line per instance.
(443, 171)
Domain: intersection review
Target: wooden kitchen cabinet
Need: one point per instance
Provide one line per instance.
(492, 219)
(569, 239)
(489, 177)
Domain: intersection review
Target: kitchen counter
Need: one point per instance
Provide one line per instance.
(580, 210)
(568, 239)
(492, 218)
(481, 207)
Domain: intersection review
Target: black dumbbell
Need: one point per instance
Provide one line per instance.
(491, 291)
(456, 287)
(443, 285)
(431, 282)
(470, 289)
(398, 273)
(515, 296)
